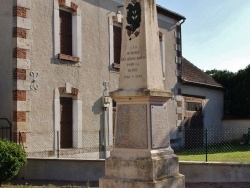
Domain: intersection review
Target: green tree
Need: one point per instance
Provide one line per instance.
(12, 158)
(226, 79)
(241, 104)
(236, 91)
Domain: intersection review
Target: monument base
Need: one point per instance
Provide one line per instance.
(158, 172)
(177, 181)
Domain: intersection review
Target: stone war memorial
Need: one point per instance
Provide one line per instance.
(142, 156)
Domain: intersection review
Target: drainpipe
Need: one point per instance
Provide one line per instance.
(180, 23)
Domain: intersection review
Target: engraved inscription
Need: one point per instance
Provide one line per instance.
(160, 132)
(133, 63)
(131, 128)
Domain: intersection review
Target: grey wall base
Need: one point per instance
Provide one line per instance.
(62, 170)
(215, 172)
(170, 182)
(92, 170)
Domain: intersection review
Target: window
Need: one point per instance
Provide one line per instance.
(193, 106)
(115, 32)
(117, 37)
(67, 31)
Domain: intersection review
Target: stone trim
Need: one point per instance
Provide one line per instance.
(179, 110)
(21, 43)
(20, 22)
(19, 53)
(63, 90)
(178, 66)
(116, 20)
(68, 58)
(74, 91)
(116, 65)
(68, 4)
(22, 3)
(19, 95)
(19, 116)
(179, 116)
(179, 104)
(19, 32)
(20, 11)
(21, 106)
(19, 74)
(21, 85)
(73, 6)
(20, 64)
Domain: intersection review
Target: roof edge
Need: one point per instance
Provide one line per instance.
(169, 13)
(184, 81)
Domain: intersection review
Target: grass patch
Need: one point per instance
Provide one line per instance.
(43, 186)
(9, 185)
(218, 153)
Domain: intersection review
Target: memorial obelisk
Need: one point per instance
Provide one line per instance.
(142, 156)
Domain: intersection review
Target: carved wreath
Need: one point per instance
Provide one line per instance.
(133, 18)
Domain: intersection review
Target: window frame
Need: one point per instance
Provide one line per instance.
(113, 21)
(69, 6)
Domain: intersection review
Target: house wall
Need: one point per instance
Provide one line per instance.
(87, 76)
(167, 28)
(234, 129)
(213, 104)
(6, 18)
(212, 108)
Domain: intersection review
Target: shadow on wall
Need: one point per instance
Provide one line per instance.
(97, 110)
(111, 6)
(97, 107)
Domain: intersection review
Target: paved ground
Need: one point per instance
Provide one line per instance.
(95, 184)
(217, 185)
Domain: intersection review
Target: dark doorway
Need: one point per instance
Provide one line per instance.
(194, 130)
(66, 122)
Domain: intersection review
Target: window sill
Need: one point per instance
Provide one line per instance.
(68, 58)
(116, 65)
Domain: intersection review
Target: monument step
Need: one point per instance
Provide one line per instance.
(153, 169)
(177, 181)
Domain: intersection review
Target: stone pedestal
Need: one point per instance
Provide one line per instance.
(142, 156)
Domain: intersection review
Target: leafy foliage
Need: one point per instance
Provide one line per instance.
(237, 91)
(12, 158)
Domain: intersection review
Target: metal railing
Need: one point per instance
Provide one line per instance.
(216, 145)
(5, 129)
(81, 145)
(195, 145)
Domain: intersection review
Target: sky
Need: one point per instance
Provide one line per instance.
(216, 33)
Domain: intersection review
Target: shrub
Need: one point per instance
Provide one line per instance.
(12, 158)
